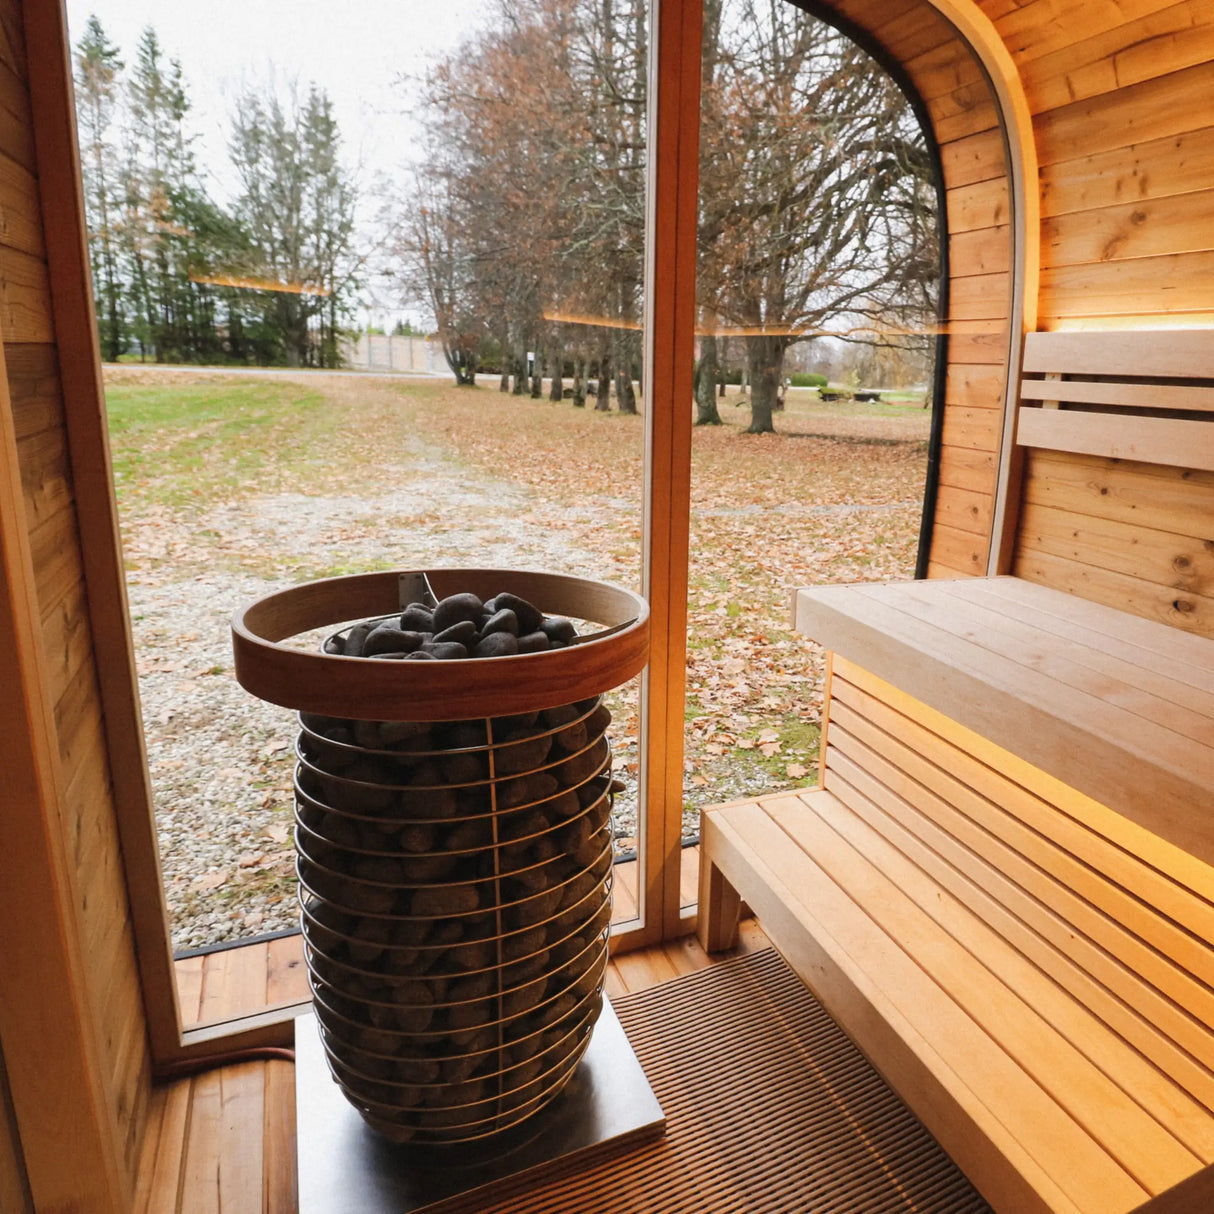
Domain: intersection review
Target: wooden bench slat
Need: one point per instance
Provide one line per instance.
(1132, 396)
(1085, 933)
(1151, 440)
(1123, 1044)
(983, 756)
(1093, 746)
(1101, 698)
(1130, 662)
(1161, 354)
(1042, 901)
(1193, 656)
(1176, 1045)
(1065, 1168)
(977, 970)
(974, 1138)
(1085, 669)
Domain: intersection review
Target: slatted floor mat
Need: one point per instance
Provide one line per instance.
(770, 1110)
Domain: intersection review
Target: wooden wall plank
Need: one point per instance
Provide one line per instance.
(1174, 164)
(915, 32)
(983, 250)
(1179, 609)
(977, 296)
(1036, 28)
(16, 135)
(1161, 41)
(966, 510)
(960, 552)
(973, 386)
(1167, 559)
(19, 228)
(12, 39)
(941, 71)
(977, 342)
(1175, 500)
(71, 1138)
(977, 158)
(25, 301)
(1143, 228)
(966, 469)
(54, 545)
(979, 429)
(1154, 109)
(1180, 283)
(968, 111)
(134, 905)
(982, 205)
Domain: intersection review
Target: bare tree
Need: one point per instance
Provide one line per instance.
(815, 196)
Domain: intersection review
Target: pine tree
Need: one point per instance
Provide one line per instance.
(297, 206)
(98, 91)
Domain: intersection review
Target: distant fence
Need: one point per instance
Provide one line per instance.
(380, 352)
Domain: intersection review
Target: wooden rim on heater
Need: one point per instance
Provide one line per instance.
(373, 689)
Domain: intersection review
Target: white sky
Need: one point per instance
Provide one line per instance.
(354, 51)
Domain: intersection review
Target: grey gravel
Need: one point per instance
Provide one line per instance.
(221, 761)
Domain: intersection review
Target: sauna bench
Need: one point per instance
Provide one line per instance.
(1002, 889)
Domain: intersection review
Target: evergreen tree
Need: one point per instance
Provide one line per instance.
(297, 207)
(98, 93)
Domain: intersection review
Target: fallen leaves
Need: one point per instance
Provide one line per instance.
(833, 498)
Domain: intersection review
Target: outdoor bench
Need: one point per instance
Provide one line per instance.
(1004, 887)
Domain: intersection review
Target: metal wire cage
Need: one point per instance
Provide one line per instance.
(456, 901)
(454, 869)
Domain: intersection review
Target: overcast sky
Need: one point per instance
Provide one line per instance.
(355, 51)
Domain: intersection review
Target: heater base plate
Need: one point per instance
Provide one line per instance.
(346, 1168)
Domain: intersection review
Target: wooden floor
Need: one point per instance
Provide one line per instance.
(223, 1142)
(233, 982)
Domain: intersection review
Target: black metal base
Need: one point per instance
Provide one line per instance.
(346, 1168)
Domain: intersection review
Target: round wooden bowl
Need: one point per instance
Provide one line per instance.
(372, 689)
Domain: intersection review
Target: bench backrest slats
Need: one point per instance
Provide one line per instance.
(1117, 498)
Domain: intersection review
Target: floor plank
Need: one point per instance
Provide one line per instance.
(233, 982)
(689, 876)
(624, 892)
(286, 972)
(189, 987)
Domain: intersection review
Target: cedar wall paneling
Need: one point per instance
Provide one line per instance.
(1120, 96)
(87, 812)
(965, 125)
(1135, 536)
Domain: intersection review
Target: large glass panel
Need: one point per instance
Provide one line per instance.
(818, 273)
(414, 284)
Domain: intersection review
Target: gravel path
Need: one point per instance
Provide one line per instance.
(221, 761)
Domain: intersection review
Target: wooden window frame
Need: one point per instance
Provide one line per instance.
(671, 212)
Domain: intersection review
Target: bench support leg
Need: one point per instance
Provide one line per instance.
(719, 906)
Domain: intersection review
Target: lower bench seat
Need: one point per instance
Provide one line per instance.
(1002, 890)
(1042, 1104)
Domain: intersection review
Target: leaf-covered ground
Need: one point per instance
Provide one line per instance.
(230, 487)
